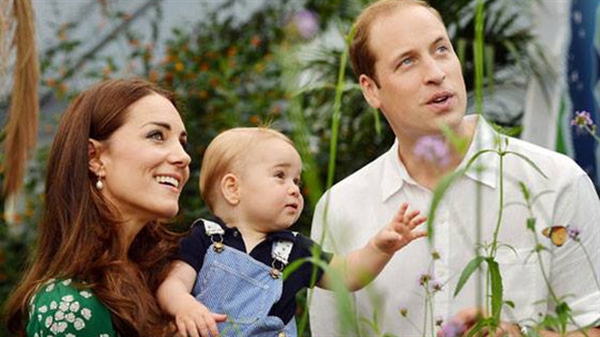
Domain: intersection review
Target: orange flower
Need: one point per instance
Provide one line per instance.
(255, 41)
(231, 51)
(179, 66)
(153, 76)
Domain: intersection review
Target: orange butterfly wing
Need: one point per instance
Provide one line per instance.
(557, 234)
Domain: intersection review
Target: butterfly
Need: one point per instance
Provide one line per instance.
(557, 234)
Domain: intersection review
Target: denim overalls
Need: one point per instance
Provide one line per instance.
(231, 282)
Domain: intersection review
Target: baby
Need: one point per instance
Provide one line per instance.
(228, 279)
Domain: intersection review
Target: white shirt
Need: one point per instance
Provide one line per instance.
(366, 200)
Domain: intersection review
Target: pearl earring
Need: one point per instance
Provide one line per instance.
(99, 184)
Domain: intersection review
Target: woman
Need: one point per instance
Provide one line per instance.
(116, 168)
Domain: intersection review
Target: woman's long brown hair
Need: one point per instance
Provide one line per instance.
(78, 232)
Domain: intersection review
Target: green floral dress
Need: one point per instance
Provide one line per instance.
(60, 309)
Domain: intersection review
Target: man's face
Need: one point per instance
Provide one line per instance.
(420, 78)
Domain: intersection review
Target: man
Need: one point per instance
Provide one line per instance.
(408, 69)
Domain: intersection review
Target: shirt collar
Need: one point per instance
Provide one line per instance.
(282, 235)
(394, 174)
(485, 138)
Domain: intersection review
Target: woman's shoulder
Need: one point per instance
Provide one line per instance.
(63, 308)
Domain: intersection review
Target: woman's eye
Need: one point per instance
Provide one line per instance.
(156, 135)
(442, 49)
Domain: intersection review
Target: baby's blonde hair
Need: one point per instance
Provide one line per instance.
(227, 152)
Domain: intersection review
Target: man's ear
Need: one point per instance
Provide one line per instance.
(370, 91)
(230, 189)
(95, 149)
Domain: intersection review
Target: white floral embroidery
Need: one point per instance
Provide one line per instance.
(66, 282)
(64, 306)
(79, 324)
(103, 335)
(70, 317)
(48, 321)
(53, 305)
(59, 315)
(68, 298)
(74, 307)
(69, 335)
(50, 287)
(43, 309)
(86, 313)
(85, 293)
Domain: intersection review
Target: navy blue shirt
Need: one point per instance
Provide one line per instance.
(193, 248)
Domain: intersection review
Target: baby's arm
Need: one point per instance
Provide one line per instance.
(174, 297)
(361, 266)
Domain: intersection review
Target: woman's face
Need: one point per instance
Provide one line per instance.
(144, 163)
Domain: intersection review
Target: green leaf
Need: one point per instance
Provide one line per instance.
(466, 273)
(496, 284)
(531, 224)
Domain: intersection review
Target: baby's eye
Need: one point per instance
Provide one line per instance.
(298, 182)
(280, 174)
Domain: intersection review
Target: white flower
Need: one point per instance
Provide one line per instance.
(70, 317)
(85, 293)
(43, 309)
(59, 315)
(53, 305)
(66, 282)
(86, 313)
(50, 287)
(68, 298)
(64, 306)
(70, 335)
(79, 324)
(48, 322)
(74, 307)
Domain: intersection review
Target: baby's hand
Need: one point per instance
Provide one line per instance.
(193, 319)
(400, 231)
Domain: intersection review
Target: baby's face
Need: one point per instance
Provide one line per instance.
(271, 199)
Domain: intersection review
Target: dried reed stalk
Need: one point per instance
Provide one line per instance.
(22, 124)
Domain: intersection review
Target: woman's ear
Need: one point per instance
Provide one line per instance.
(230, 189)
(94, 150)
(370, 91)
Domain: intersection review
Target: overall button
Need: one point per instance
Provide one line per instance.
(281, 334)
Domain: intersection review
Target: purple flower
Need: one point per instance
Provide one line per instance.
(573, 232)
(424, 279)
(306, 23)
(435, 286)
(582, 119)
(452, 328)
(433, 149)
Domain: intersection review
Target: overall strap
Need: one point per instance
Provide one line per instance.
(212, 229)
(280, 252)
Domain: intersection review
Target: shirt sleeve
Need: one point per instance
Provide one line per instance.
(61, 310)
(307, 248)
(192, 248)
(578, 207)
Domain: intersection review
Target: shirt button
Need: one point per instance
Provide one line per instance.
(236, 233)
(281, 334)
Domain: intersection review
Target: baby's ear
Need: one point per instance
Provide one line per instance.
(230, 189)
